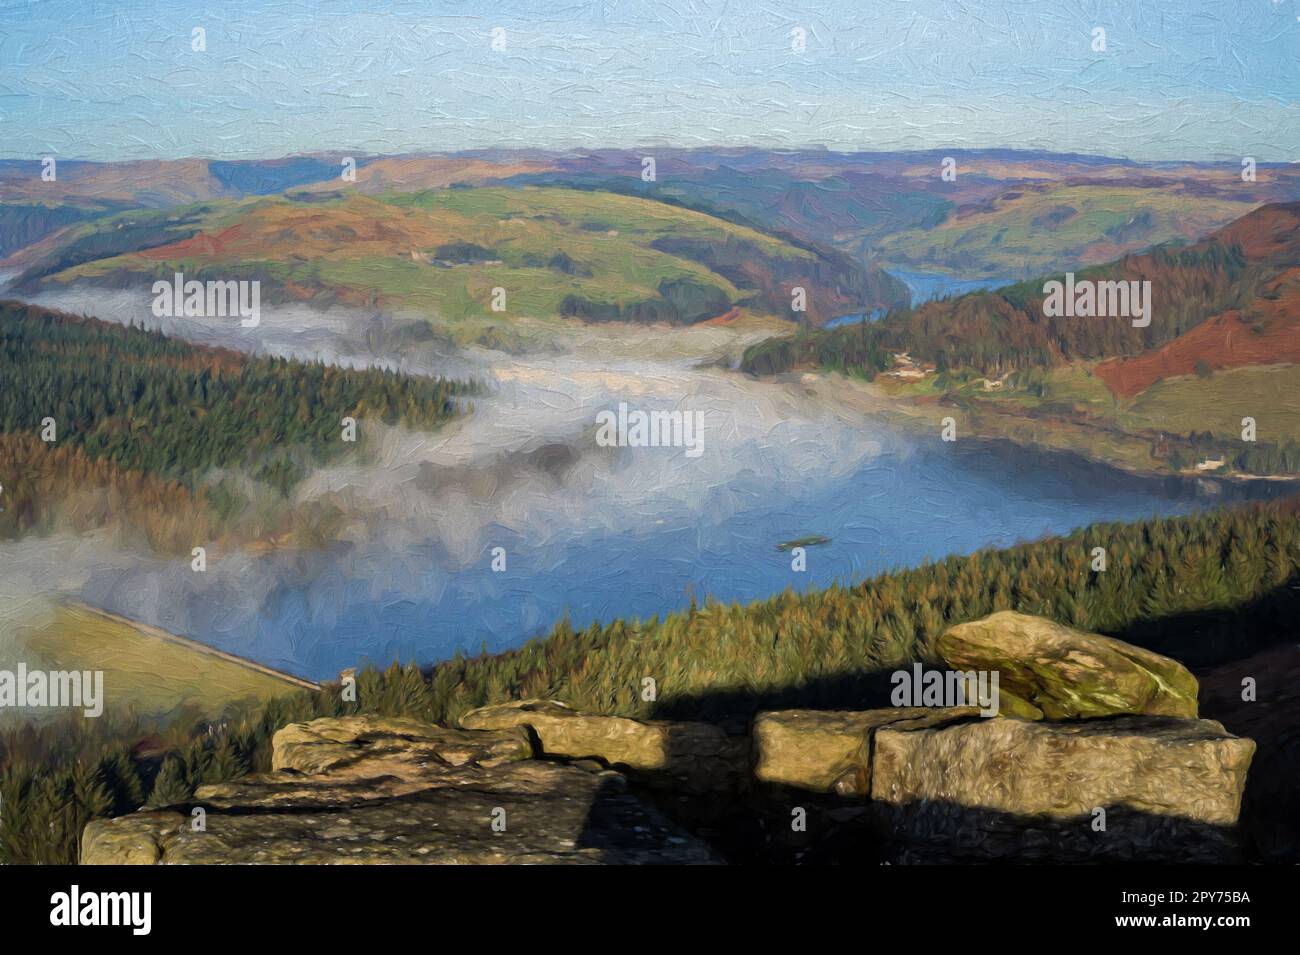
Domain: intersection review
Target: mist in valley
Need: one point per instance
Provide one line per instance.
(422, 512)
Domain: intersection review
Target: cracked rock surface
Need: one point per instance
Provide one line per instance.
(371, 790)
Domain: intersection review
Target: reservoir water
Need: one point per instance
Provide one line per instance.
(924, 287)
(911, 503)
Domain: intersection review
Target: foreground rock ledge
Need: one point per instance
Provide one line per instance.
(400, 791)
(998, 789)
(950, 786)
(906, 784)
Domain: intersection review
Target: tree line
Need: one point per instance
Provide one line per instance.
(120, 401)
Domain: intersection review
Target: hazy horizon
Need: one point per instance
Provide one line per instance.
(1183, 82)
(646, 147)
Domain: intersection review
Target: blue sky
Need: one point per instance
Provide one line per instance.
(1180, 79)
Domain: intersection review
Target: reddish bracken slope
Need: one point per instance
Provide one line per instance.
(1265, 333)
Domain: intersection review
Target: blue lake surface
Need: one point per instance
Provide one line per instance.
(910, 504)
(872, 316)
(925, 287)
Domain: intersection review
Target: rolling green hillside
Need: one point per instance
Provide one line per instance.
(555, 253)
(1034, 229)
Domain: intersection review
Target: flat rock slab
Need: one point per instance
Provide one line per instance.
(407, 793)
(1050, 671)
(349, 743)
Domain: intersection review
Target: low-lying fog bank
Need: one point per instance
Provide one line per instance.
(597, 530)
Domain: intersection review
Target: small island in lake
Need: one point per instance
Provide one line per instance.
(812, 540)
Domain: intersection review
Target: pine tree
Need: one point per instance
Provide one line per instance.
(172, 785)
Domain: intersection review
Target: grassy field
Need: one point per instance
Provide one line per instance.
(1039, 232)
(146, 670)
(1219, 402)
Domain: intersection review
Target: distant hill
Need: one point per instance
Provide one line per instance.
(35, 206)
(1222, 345)
(1006, 214)
(1243, 270)
(1037, 227)
(418, 173)
(1263, 330)
(163, 182)
(587, 255)
(24, 223)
